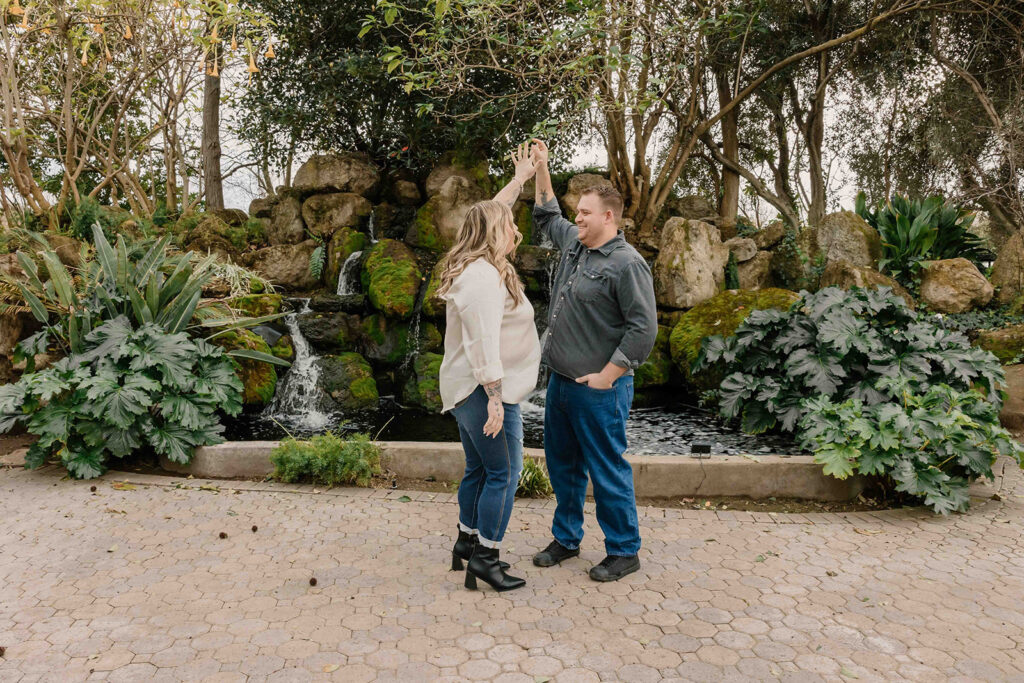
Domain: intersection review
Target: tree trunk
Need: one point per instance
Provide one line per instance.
(212, 182)
(729, 203)
(815, 136)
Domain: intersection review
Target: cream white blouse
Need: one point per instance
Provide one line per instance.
(487, 338)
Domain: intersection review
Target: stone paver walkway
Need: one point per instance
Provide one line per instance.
(137, 584)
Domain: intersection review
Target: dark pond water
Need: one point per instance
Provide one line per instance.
(671, 426)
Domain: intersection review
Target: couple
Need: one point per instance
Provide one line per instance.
(602, 326)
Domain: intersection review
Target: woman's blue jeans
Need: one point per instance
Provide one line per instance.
(493, 464)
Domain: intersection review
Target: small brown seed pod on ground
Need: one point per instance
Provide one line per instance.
(312, 581)
(254, 528)
(93, 489)
(223, 535)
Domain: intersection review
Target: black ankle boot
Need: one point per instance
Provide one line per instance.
(485, 565)
(463, 550)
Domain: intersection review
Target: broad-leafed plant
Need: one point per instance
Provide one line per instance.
(868, 385)
(860, 344)
(932, 445)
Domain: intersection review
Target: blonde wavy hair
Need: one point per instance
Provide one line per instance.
(481, 235)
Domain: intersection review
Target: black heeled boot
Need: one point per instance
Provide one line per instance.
(484, 565)
(463, 550)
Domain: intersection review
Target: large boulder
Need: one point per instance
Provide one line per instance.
(690, 267)
(693, 207)
(331, 332)
(1006, 343)
(720, 315)
(438, 221)
(67, 248)
(325, 173)
(286, 224)
(284, 348)
(1008, 269)
(845, 275)
(348, 379)
(211, 235)
(259, 379)
(405, 193)
(257, 305)
(338, 303)
(473, 174)
(391, 342)
(770, 235)
(995, 232)
(344, 243)
(1012, 414)
(757, 272)
(578, 184)
(233, 217)
(743, 248)
(325, 214)
(953, 286)
(422, 388)
(535, 266)
(845, 236)
(433, 305)
(10, 267)
(657, 369)
(285, 265)
(392, 278)
(262, 207)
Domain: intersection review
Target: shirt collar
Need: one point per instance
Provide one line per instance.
(612, 244)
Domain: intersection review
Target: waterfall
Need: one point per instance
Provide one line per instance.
(298, 401)
(369, 229)
(346, 282)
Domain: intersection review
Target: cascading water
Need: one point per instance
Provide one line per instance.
(369, 230)
(346, 280)
(298, 402)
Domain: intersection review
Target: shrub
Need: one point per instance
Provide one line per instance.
(870, 386)
(533, 480)
(126, 389)
(914, 231)
(932, 445)
(860, 344)
(327, 459)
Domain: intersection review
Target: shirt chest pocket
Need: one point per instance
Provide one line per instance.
(593, 285)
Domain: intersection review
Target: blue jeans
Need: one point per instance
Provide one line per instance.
(493, 464)
(585, 433)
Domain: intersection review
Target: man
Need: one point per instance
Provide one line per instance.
(602, 325)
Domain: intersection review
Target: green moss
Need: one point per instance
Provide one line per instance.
(1007, 344)
(257, 305)
(284, 348)
(255, 286)
(259, 379)
(392, 278)
(524, 223)
(657, 369)
(422, 387)
(719, 315)
(348, 379)
(433, 305)
(424, 233)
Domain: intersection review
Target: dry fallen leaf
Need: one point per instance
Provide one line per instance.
(122, 486)
(331, 667)
(112, 548)
(867, 532)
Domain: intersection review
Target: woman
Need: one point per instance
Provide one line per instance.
(491, 358)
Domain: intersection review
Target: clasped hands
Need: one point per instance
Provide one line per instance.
(527, 157)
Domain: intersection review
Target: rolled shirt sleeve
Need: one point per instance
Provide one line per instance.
(548, 217)
(635, 293)
(479, 297)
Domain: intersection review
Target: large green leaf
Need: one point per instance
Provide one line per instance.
(258, 355)
(171, 440)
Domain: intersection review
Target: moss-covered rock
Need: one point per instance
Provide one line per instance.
(257, 305)
(331, 332)
(210, 235)
(657, 369)
(1006, 343)
(390, 342)
(348, 379)
(258, 378)
(424, 233)
(344, 243)
(524, 221)
(433, 305)
(422, 388)
(719, 315)
(283, 348)
(392, 278)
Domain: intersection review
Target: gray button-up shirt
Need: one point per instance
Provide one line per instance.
(602, 302)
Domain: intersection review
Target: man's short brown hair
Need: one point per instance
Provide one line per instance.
(610, 199)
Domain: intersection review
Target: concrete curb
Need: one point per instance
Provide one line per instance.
(655, 476)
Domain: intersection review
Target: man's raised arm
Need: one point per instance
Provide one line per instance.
(546, 213)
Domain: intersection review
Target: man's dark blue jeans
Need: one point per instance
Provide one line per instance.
(585, 433)
(488, 487)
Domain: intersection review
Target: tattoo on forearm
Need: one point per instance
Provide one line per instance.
(543, 196)
(493, 390)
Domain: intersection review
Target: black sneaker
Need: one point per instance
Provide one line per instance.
(614, 567)
(553, 554)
